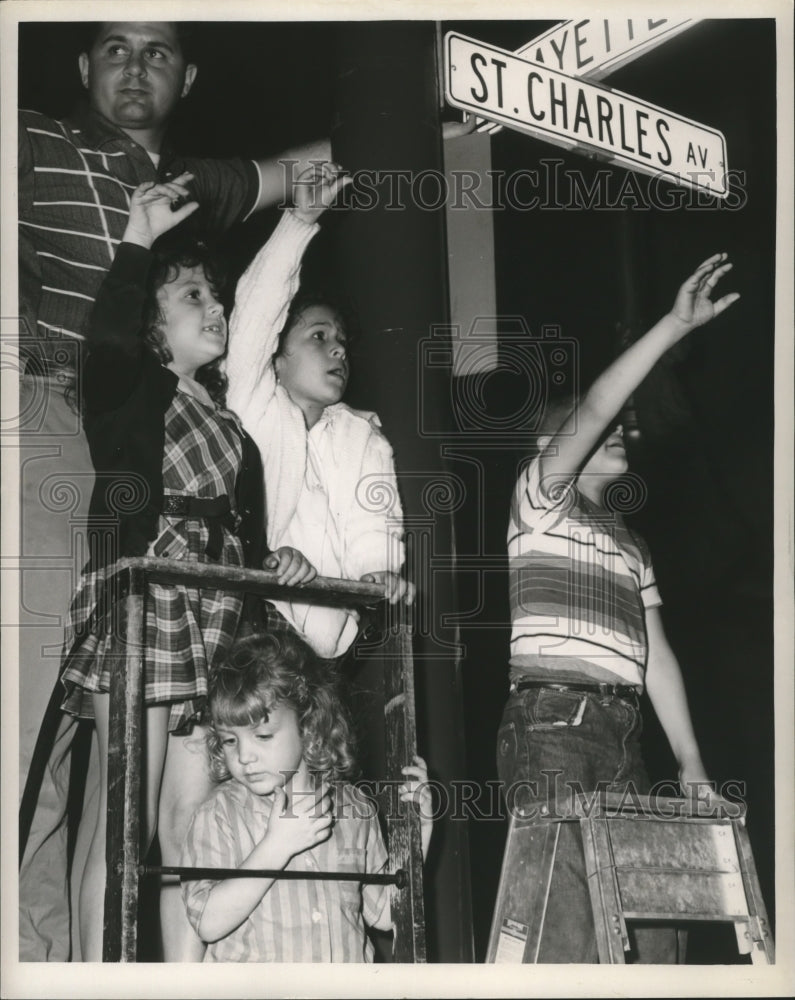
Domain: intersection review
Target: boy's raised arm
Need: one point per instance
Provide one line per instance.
(265, 291)
(564, 453)
(262, 298)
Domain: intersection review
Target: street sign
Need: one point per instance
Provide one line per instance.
(591, 118)
(592, 49)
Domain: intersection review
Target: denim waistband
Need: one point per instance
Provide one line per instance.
(626, 691)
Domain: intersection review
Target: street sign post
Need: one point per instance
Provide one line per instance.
(591, 118)
(592, 49)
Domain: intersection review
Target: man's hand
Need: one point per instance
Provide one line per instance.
(397, 589)
(291, 567)
(151, 213)
(452, 130)
(693, 306)
(316, 188)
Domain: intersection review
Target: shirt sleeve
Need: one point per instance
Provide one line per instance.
(649, 593)
(262, 300)
(374, 529)
(115, 347)
(209, 844)
(227, 190)
(532, 505)
(540, 495)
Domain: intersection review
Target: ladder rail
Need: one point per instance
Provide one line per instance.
(762, 945)
(403, 821)
(122, 837)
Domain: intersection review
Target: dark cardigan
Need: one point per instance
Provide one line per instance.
(126, 393)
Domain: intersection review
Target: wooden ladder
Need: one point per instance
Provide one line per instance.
(645, 859)
(123, 858)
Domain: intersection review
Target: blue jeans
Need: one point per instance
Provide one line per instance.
(547, 741)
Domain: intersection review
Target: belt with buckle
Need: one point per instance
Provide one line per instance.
(216, 510)
(180, 505)
(615, 690)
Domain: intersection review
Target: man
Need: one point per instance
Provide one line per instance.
(75, 178)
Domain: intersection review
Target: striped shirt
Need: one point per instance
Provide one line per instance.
(580, 581)
(296, 921)
(75, 181)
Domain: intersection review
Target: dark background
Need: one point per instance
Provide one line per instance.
(706, 415)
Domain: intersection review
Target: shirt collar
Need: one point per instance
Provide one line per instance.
(98, 131)
(331, 413)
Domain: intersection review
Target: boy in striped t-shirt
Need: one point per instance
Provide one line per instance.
(587, 636)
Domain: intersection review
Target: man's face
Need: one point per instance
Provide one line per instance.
(135, 73)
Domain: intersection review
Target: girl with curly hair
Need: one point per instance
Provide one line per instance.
(280, 745)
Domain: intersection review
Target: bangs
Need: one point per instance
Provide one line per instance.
(238, 694)
(240, 707)
(175, 252)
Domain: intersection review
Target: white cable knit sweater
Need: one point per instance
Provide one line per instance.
(357, 475)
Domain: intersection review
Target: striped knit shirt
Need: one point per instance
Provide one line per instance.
(580, 581)
(296, 920)
(75, 181)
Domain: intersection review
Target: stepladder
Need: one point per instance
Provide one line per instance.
(125, 867)
(661, 860)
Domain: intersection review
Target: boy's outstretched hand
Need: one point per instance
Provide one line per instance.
(151, 212)
(316, 188)
(693, 306)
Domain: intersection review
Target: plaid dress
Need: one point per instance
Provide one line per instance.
(187, 630)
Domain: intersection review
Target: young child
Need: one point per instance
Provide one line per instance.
(176, 477)
(587, 634)
(288, 369)
(281, 746)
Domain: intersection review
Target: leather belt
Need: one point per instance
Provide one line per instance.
(217, 511)
(616, 690)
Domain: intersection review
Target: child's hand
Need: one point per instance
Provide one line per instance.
(151, 214)
(693, 306)
(699, 790)
(397, 589)
(300, 823)
(291, 566)
(316, 188)
(418, 791)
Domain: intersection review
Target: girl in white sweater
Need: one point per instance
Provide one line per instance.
(330, 485)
